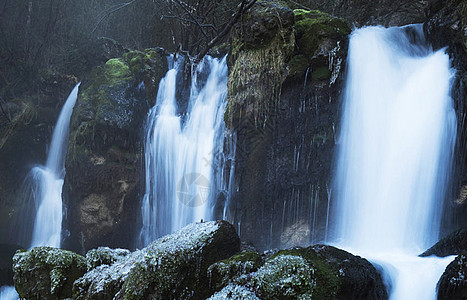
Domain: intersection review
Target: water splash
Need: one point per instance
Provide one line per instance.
(181, 150)
(46, 190)
(395, 153)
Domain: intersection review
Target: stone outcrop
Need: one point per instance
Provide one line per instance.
(447, 27)
(453, 244)
(453, 282)
(102, 182)
(283, 98)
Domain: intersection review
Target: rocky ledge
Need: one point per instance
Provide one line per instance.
(200, 261)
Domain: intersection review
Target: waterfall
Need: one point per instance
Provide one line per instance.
(181, 150)
(395, 151)
(48, 182)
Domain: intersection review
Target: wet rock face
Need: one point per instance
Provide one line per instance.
(47, 273)
(7, 252)
(103, 159)
(368, 12)
(447, 27)
(453, 244)
(453, 282)
(174, 266)
(283, 99)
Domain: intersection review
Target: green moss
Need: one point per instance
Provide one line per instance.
(285, 277)
(327, 282)
(321, 73)
(47, 273)
(312, 26)
(115, 68)
(298, 65)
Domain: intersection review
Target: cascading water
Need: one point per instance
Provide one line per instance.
(48, 182)
(45, 189)
(395, 151)
(180, 150)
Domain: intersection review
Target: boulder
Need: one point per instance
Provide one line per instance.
(316, 272)
(174, 266)
(453, 244)
(453, 282)
(47, 273)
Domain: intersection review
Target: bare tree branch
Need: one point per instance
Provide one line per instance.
(244, 6)
(111, 11)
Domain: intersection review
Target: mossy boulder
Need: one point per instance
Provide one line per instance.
(316, 272)
(287, 276)
(228, 270)
(47, 273)
(453, 282)
(358, 278)
(174, 266)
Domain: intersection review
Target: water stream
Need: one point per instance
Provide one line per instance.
(181, 150)
(48, 180)
(395, 154)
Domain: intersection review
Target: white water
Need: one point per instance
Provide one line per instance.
(180, 150)
(395, 150)
(48, 181)
(8, 293)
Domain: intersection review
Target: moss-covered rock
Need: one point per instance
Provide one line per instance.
(47, 273)
(317, 42)
(358, 278)
(317, 272)
(101, 188)
(285, 276)
(174, 266)
(283, 104)
(228, 270)
(453, 282)
(262, 44)
(104, 256)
